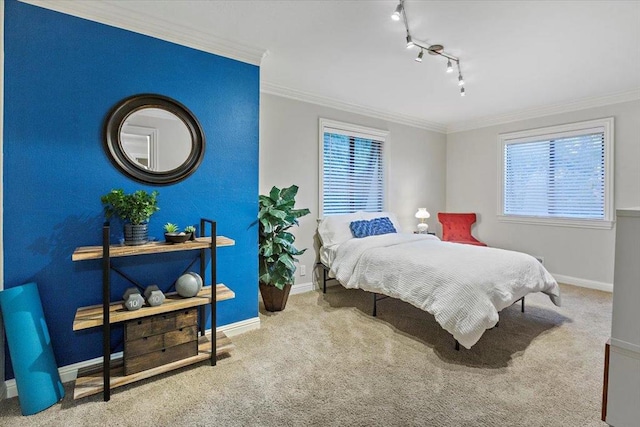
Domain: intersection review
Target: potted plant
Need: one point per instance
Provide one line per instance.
(172, 233)
(276, 252)
(134, 209)
(191, 230)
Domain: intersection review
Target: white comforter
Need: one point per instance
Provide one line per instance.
(463, 286)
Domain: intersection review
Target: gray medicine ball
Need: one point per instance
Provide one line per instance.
(189, 284)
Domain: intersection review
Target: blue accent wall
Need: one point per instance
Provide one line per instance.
(62, 76)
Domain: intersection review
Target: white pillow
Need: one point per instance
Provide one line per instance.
(390, 215)
(334, 229)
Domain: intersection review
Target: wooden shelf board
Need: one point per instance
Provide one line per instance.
(89, 381)
(91, 316)
(84, 253)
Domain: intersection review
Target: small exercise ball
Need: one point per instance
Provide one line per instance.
(189, 284)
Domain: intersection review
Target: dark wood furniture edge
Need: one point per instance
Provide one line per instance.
(605, 384)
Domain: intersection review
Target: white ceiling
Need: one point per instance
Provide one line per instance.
(516, 56)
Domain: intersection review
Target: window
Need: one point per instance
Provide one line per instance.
(561, 175)
(352, 168)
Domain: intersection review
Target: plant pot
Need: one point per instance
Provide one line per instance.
(274, 299)
(136, 234)
(177, 237)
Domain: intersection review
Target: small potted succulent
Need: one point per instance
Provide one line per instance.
(172, 234)
(192, 230)
(134, 209)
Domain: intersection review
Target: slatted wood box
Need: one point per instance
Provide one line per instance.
(157, 340)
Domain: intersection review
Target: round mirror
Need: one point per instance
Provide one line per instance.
(154, 139)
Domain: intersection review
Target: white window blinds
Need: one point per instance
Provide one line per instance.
(352, 172)
(561, 177)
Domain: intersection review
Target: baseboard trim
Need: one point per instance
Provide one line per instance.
(300, 288)
(67, 373)
(583, 283)
(627, 348)
(237, 328)
(70, 372)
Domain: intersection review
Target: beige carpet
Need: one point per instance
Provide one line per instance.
(325, 361)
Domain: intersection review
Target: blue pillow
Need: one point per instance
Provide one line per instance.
(374, 227)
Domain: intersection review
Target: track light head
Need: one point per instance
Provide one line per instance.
(396, 14)
(410, 43)
(400, 13)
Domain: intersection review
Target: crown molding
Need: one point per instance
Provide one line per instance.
(549, 110)
(274, 89)
(141, 23)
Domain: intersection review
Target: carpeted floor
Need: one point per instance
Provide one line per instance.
(325, 361)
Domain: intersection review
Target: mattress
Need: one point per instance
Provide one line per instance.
(463, 286)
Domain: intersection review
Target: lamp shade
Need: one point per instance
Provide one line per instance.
(422, 213)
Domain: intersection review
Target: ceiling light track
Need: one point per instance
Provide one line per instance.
(434, 49)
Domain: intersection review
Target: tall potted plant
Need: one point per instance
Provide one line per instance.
(276, 252)
(134, 209)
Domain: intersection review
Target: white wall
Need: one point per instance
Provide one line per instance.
(289, 155)
(583, 254)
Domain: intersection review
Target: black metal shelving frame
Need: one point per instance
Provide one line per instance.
(106, 297)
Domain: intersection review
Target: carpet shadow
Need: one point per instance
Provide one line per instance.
(497, 348)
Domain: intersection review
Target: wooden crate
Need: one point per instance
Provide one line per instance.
(159, 324)
(157, 340)
(136, 364)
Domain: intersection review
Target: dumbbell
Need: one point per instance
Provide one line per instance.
(132, 299)
(153, 295)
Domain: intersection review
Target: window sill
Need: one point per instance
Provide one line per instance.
(558, 222)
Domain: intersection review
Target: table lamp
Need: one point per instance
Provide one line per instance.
(422, 214)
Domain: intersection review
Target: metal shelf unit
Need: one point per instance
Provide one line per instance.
(109, 313)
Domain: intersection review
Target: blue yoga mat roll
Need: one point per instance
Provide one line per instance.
(34, 364)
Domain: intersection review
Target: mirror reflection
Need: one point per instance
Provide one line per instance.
(155, 139)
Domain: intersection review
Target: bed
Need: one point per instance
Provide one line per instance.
(463, 286)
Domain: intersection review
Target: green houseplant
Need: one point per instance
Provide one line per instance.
(134, 209)
(276, 250)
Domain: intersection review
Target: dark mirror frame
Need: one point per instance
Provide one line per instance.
(113, 145)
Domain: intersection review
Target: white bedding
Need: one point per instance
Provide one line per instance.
(328, 254)
(463, 286)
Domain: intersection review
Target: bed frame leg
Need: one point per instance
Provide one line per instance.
(522, 309)
(375, 305)
(324, 280)
(457, 346)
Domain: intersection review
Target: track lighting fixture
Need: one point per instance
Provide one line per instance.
(410, 43)
(434, 49)
(396, 15)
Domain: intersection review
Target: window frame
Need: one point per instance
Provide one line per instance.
(359, 131)
(559, 131)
